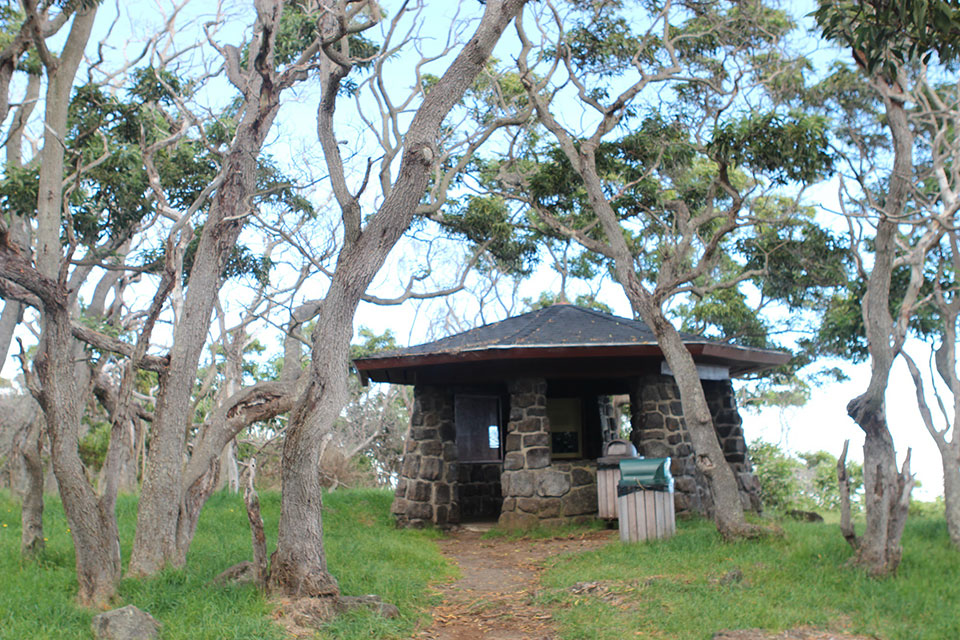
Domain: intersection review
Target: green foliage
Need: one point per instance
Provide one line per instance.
(785, 148)
(674, 589)
(373, 343)
(884, 34)
(93, 444)
(777, 473)
(300, 26)
(18, 190)
(365, 552)
(486, 221)
(808, 481)
(548, 299)
(803, 263)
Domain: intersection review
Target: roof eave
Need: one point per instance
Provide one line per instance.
(742, 360)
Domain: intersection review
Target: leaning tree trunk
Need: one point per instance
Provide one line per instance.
(728, 508)
(159, 534)
(299, 563)
(299, 566)
(94, 531)
(886, 496)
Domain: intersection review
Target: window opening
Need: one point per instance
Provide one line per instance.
(566, 427)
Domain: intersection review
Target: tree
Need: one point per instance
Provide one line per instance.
(299, 564)
(944, 366)
(660, 203)
(909, 209)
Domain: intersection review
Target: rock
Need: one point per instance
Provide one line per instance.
(579, 501)
(241, 573)
(518, 520)
(732, 576)
(522, 484)
(126, 623)
(581, 477)
(373, 602)
(538, 457)
(553, 484)
(805, 516)
(513, 461)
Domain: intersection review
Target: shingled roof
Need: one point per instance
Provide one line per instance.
(561, 331)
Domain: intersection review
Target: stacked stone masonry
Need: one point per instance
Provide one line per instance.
(610, 429)
(659, 431)
(427, 489)
(529, 488)
(534, 490)
(479, 494)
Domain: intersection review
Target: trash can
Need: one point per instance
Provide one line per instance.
(645, 499)
(608, 475)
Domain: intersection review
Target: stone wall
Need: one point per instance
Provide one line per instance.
(659, 431)
(479, 493)
(562, 492)
(609, 427)
(427, 489)
(728, 423)
(534, 491)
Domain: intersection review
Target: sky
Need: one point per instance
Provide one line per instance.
(821, 424)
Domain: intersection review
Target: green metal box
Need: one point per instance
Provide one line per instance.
(645, 473)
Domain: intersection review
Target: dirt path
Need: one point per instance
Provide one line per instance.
(494, 598)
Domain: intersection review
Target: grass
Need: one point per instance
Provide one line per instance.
(364, 550)
(676, 588)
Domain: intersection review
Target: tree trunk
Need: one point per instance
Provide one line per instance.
(951, 490)
(31, 516)
(885, 502)
(160, 534)
(298, 565)
(124, 469)
(93, 528)
(9, 319)
(229, 474)
(728, 509)
(887, 491)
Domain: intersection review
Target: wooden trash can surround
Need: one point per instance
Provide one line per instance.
(608, 475)
(645, 514)
(645, 499)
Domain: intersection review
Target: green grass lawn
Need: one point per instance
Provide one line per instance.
(675, 588)
(364, 550)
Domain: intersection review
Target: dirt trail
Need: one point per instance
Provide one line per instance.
(494, 598)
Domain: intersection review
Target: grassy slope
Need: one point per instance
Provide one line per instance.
(364, 550)
(672, 589)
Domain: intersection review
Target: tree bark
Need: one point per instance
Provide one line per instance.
(31, 516)
(93, 527)
(258, 538)
(951, 495)
(161, 537)
(299, 566)
(887, 490)
(843, 481)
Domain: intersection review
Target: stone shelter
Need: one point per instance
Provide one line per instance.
(510, 418)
